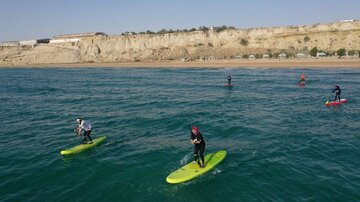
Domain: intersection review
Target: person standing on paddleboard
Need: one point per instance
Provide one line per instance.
(302, 77)
(199, 145)
(337, 90)
(229, 79)
(87, 128)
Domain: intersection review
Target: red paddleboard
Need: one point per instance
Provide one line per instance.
(302, 83)
(334, 103)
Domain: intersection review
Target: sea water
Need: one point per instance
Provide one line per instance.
(283, 144)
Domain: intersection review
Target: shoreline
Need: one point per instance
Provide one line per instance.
(260, 63)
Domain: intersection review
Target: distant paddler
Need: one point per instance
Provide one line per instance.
(199, 145)
(302, 80)
(229, 79)
(302, 77)
(86, 126)
(337, 90)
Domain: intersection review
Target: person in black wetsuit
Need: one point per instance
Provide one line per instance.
(199, 145)
(229, 79)
(302, 77)
(87, 128)
(337, 90)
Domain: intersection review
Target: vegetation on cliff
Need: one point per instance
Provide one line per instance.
(205, 43)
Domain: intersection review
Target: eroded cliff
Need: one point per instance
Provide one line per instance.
(208, 44)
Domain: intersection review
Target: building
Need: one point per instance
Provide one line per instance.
(46, 40)
(352, 20)
(9, 43)
(320, 54)
(81, 35)
(32, 42)
(28, 42)
(300, 55)
(69, 40)
(282, 56)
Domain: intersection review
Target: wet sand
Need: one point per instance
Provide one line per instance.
(260, 63)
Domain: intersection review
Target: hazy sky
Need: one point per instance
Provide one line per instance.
(32, 19)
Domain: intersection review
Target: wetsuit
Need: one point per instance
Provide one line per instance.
(198, 147)
(87, 128)
(337, 90)
(229, 80)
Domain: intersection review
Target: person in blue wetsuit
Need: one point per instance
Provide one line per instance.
(229, 79)
(87, 128)
(337, 90)
(199, 145)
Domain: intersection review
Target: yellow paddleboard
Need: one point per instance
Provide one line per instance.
(192, 170)
(83, 147)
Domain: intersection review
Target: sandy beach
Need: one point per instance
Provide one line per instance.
(262, 63)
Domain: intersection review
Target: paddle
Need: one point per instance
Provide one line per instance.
(78, 134)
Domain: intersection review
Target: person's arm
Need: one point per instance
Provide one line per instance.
(201, 138)
(194, 141)
(81, 125)
(77, 130)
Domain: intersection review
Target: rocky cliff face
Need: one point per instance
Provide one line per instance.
(194, 45)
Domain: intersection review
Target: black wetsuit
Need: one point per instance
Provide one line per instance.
(87, 130)
(338, 92)
(229, 80)
(198, 147)
(87, 134)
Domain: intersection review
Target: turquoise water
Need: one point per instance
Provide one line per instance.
(283, 144)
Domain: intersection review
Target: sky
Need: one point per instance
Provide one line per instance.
(36, 19)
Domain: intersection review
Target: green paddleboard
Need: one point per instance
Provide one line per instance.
(83, 147)
(192, 170)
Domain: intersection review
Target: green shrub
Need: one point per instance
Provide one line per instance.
(163, 31)
(203, 28)
(149, 32)
(244, 42)
(351, 52)
(341, 52)
(220, 29)
(313, 51)
(306, 39)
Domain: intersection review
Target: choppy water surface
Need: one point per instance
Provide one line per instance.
(283, 144)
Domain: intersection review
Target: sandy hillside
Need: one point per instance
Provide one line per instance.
(194, 46)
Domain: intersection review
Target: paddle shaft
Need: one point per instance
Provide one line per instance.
(78, 134)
